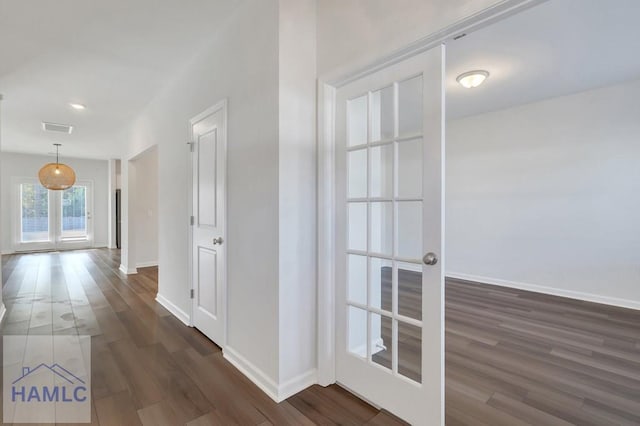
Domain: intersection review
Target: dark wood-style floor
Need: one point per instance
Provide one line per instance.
(512, 357)
(147, 367)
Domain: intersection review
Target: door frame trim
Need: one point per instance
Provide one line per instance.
(326, 106)
(219, 106)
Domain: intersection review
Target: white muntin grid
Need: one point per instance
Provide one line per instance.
(376, 198)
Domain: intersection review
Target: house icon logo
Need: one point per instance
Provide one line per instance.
(67, 388)
(46, 379)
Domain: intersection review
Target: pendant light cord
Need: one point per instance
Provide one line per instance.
(57, 153)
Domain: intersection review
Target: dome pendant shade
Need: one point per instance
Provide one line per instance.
(57, 176)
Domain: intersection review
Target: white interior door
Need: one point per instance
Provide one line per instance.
(389, 302)
(208, 238)
(53, 220)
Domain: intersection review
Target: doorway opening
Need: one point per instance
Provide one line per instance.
(53, 220)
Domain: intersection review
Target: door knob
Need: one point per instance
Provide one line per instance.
(217, 241)
(430, 259)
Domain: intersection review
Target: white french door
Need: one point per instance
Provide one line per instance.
(208, 252)
(53, 220)
(390, 285)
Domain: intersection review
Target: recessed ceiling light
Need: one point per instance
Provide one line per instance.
(79, 107)
(472, 79)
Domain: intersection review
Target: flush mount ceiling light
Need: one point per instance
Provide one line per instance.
(78, 107)
(57, 176)
(472, 79)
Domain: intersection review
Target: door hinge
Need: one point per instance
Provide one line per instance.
(191, 293)
(191, 146)
(192, 221)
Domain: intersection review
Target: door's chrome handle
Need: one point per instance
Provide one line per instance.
(430, 259)
(217, 241)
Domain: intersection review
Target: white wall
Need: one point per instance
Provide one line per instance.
(547, 194)
(297, 190)
(240, 64)
(262, 59)
(353, 33)
(27, 165)
(145, 208)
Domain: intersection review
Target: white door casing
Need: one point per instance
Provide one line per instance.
(388, 214)
(208, 239)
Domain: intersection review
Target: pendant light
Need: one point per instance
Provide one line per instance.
(57, 176)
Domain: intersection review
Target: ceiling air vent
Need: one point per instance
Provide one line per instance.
(54, 127)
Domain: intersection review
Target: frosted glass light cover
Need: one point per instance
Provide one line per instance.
(472, 79)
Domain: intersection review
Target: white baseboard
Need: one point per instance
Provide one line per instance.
(175, 310)
(276, 392)
(147, 264)
(3, 311)
(128, 271)
(587, 297)
(297, 384)
(253, 373)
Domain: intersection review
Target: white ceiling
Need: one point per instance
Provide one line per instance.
(556, 48)
(115, 55)
(112, 55)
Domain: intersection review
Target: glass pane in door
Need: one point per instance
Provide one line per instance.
(410, 290)
(382, 114)
(380, 276)
(384, 199)
(410, 169)
(381, 171)
(74, 213)
(35, 213)
(410, 106)
(357, 334)
(357, 122)
(410, 351)
(381, 340)
(357, 279)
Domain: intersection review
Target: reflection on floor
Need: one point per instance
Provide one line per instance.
(147, 367)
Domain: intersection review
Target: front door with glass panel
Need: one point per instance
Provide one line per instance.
(390, 286)
(52, 220)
